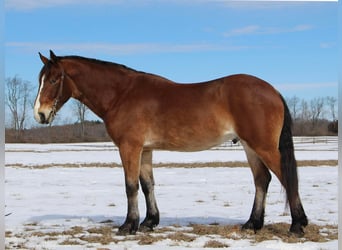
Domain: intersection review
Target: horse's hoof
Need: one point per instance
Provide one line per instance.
(126, 229)
(124, 232)
(145, 229)
(297, 230)
(252, 225)
(149, 223)
(248, 226)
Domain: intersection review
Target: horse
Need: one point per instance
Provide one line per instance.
(143, 112)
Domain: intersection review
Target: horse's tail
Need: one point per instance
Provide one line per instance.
(288, 162)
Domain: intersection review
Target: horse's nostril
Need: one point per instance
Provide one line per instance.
(42, 117)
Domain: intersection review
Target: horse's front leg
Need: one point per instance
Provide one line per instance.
(147, 185)
(130, 157)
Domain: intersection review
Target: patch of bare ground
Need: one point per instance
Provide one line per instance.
(106, 235)
(230, 164)
(215, 244)
(103, 235)
(317, 163)
(314, 233)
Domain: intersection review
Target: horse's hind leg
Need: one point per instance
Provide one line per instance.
(262, 178)
(272, 159)
(147, 185)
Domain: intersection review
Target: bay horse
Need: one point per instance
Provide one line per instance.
(143, 112)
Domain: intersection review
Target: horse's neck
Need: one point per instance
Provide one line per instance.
(97, 88)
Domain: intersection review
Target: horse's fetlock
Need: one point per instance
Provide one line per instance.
(131, 226)
(253, 224)
(297, 229)
(151, 221)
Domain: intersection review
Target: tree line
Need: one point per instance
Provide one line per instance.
(317, 116)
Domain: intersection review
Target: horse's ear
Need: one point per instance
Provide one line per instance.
(53, 57)
(43, 58)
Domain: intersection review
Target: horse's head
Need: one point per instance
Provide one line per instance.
(53, 92)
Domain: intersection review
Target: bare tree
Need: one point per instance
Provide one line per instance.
(305, 112)
(17, 99)
(316, 107)
(80, 110)
(331, 102)
(293, 104)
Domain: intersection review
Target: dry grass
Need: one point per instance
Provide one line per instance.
(105, 235)
(230, 164)
(314, 233)
(69, 242)
(215, 244)
(317, 163)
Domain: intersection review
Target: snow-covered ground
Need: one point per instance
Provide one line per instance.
(42, 202)
(321, 148)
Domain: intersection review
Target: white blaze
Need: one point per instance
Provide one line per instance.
(37, 103)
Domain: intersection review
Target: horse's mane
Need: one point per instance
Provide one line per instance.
(97, 61)
(100, 62)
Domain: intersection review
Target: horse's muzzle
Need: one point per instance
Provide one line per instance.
(44, 117)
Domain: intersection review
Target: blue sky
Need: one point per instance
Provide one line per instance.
(292, 45)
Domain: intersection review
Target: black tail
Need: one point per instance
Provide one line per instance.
(288, 161)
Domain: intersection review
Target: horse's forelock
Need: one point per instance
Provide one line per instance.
(45, 69)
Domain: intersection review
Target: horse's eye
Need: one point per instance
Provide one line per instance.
(53, 81)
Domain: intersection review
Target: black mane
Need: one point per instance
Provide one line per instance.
(121, 66)
(47, 66)
(97, 61)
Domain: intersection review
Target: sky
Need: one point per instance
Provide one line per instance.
(292, 45)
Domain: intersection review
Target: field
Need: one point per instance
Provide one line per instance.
(69, 196)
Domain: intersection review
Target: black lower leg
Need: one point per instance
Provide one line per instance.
(131, 223)
(299, 219)
(255, 222)
(151, 221)
(152, 212)
(262, 178)
(256, 219)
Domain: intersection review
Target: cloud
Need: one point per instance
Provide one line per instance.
(123, 49)
(28, 5)
(258, 30)
(268, 4)
(251, 29)
(25, 5)
(327, 45)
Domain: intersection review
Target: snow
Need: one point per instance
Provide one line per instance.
(58, 198)
(80, 153)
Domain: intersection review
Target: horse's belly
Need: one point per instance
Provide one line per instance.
(204, 142)
(187, 142)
